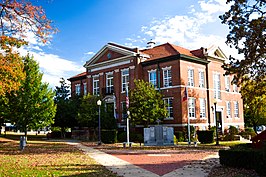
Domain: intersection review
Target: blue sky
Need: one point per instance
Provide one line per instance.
(85, 26)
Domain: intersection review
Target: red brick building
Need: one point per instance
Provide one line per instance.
(173, 70)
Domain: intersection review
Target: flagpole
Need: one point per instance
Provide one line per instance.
(127, 106)
(188, 118)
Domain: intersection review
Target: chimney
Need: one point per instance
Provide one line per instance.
(150, 44)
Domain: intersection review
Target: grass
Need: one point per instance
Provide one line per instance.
(44, 158)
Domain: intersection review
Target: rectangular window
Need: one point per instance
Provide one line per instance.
(109, 83)
(217, 86)
(236, 109)
(202, 108)
(77, 89)
(227, 83)
(96, 87)
(152, 78)
(190, 77)
(228, 109)
(169, 106)
(85, 88)
(167, 77)
(201, 79)
(191, 107)
(125, 79)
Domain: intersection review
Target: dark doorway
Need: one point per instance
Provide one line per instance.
(219, 119)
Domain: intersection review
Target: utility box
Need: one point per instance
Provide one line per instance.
(22, 143)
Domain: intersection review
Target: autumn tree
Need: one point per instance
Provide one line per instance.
(32, 106)
(66, 112)
(247, 25)
(146, 104)
(11, 65)
(17, 20)
(254, 98)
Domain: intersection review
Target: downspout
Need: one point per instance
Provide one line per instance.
(208, 90)
(159, 76)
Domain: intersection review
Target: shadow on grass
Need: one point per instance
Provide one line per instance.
(38, 147)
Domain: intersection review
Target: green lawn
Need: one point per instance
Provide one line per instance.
(43, 158)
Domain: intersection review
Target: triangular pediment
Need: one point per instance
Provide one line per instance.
(216, 53)
(110, 53)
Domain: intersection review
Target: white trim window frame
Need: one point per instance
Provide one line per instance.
(85, 88)
(153, 77)
(228, 109)
(124, 78)
(201, 79)
(202, 108)
(191, 108)
(191, 77)
(109, 82)
(167, 77)
(77, 89)
(169, 106)
(96, 86)
(236, 109)
(235, 89)
(217, 86)
(227, 83)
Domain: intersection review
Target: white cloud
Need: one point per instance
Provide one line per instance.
(89, 53)
(54, 67)
(190, 30)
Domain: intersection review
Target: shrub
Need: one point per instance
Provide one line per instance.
(109, 136)
(206, 136)
(56, 134)
(249, 132)
(244, 158)
(133, 137)
(179, 136)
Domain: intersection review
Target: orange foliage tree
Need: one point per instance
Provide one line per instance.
(17, 19)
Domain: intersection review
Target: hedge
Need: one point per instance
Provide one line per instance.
(205, 136)
(133, 137)
(109, 136)
(248, 159)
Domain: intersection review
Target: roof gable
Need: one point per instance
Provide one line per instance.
(216, 52)
(109, 52)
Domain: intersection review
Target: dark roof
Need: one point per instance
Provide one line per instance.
(167, 50)
(78, 76)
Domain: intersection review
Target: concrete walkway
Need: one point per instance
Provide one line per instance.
(123, 168)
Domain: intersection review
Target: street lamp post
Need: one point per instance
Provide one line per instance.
(99, 102)
(216, 123)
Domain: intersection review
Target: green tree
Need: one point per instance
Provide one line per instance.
(146, 104)
(254, 98)
(32, 106)
(66, 112)
(247, 25)
(88, 113)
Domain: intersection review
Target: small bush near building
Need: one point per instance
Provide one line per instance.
(133, 137)
(248, 133)
(206, 136)
(179, 136)
(109, 136)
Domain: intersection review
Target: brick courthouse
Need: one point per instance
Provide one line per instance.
(171, 69)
